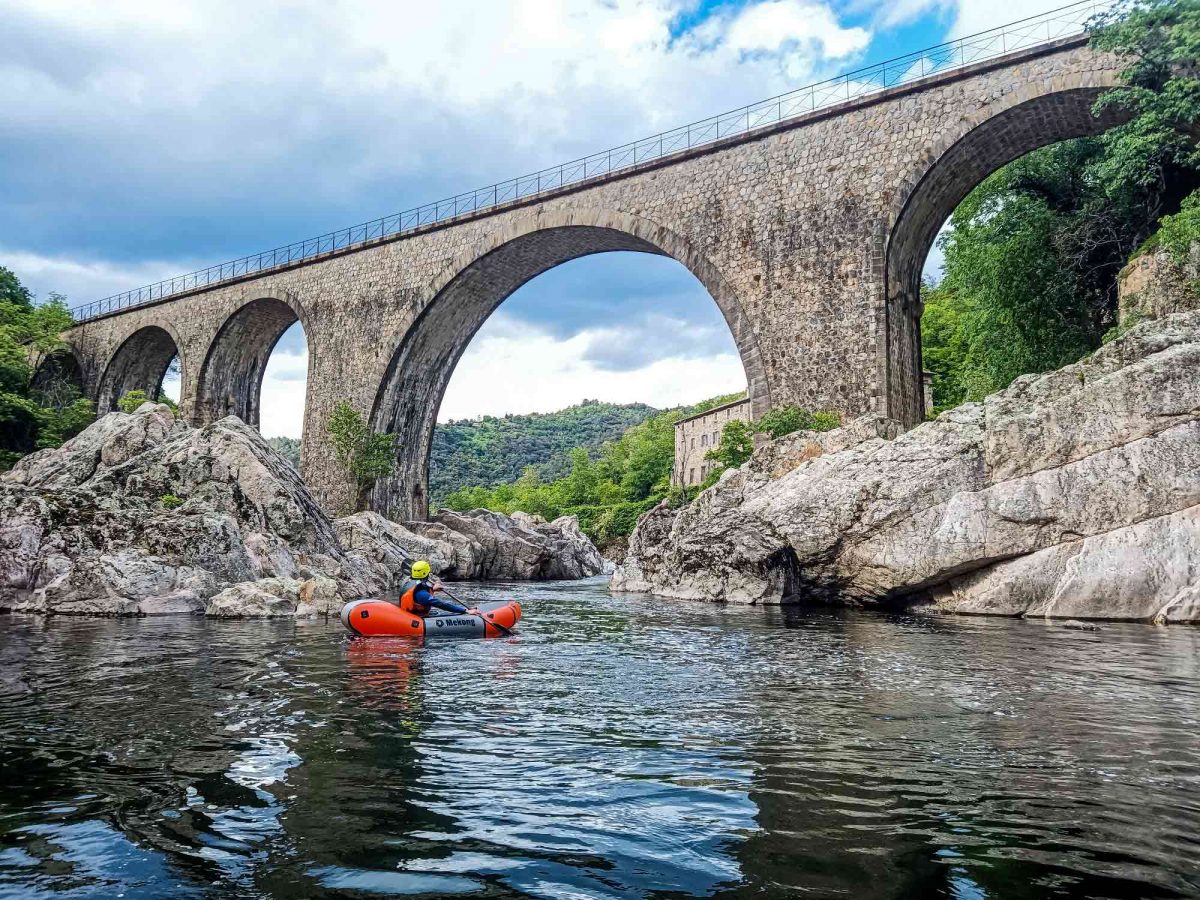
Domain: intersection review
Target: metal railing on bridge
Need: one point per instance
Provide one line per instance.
(1060, 23)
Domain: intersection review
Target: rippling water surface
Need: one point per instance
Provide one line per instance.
(615, 748)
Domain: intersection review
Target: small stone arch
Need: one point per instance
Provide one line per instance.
(140, 363)
(956, 162)
(230, 377)
(457, 303)
(59, 379)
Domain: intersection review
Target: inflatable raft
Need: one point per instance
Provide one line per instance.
(379, 617)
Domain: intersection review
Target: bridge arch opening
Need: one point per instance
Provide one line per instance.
(958, 163)
(231, 377)
(141, 363)
(410, 396)
(58, 381)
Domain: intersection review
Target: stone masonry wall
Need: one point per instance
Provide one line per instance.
(807, 236)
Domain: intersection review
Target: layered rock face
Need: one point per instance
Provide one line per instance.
(479, 545)
(1154, 285)
(1075, 493)
(141, 514)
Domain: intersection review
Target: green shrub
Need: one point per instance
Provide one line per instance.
(365, 455)
(1179, 232)
(784, 420)
(170, 501)
(132, 400)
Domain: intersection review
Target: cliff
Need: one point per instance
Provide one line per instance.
(1074, 493)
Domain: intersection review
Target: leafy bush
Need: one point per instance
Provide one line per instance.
(39, 406)
(1177, 233)
(132, 400)
(365, 455)
(737, 444)
(170, 501)
(784, 420)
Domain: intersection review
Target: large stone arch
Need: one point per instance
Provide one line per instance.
(139, 363)
(957, 161)
(469, 290)
(230, 378)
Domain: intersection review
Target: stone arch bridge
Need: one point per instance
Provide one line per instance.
(810, 235)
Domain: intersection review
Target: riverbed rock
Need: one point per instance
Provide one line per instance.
(141, 514)
(1072, 494)
(1155, 284)
(265, 598)
(523, 549)
(477, 545)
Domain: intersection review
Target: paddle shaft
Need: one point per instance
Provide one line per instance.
(504, 629)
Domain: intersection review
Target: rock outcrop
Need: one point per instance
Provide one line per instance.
(141, 514)
(1075, 494)
(478, 545)
(1155, 284)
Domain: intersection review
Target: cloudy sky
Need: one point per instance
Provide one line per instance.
(144, 138)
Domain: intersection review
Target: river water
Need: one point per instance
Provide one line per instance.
(616, 747)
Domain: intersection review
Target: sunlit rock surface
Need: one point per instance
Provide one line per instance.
(477, 545)
(1073, 493)
(142, 514)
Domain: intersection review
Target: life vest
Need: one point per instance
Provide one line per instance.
(408, 601)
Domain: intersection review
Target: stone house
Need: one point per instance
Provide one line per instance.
(698, 434)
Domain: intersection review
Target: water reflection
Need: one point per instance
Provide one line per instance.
(615, 748)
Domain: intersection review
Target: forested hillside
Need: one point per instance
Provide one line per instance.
(492, 451)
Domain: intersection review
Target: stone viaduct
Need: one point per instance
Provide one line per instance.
(809, 234)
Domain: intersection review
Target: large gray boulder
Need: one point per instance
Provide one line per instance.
(1073, 493)
(95, 527)
(476, 545)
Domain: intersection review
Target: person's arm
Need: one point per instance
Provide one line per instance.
(448, 605)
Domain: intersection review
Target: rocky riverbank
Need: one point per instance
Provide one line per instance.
(1072, 494)
(142, 514)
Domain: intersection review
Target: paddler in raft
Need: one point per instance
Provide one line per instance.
(417, 594)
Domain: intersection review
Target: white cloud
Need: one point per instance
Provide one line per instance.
(511, 368)
(83, 280)
(206, 99)
(281, 407)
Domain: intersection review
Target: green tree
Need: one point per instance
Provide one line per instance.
(1155, 154)
(1033, 253)
(737, 445)
(1179, 232)
(365, 455)
(34, 416)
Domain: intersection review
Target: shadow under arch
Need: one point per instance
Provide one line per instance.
(994, 136)
(59, 379)
(471, 289)
(231, 375)
(139, 364)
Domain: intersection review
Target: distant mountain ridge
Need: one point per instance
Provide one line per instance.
(496, 450)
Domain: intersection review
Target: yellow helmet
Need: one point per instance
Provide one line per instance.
(420, 569)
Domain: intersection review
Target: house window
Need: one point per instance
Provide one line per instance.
(716, 437)
(704, 440)
(693, 443)
(691, 475)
